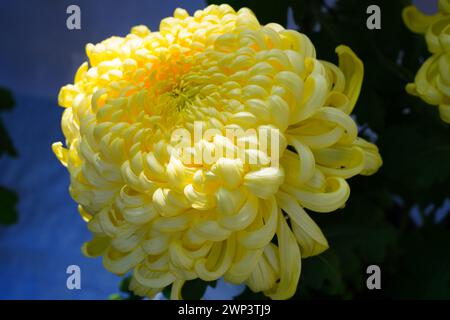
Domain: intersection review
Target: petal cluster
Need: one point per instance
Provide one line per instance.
(130, 122)
(432, 82)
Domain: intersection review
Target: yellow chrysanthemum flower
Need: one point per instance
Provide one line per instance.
(241, 214)
(432, 82)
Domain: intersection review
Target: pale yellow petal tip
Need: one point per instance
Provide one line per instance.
(275, 27)
(85, 250)
(411, 89)
(175, 293)
(343, 49)
(353, 69)
(358, 64)
(372, 158)
(140, 30)
(372, 165)
(96, 247)
(66, 96)
(81, 72)
(319, 248)
(86, 216)
(60, 152)
(444, 112)
(245, 10)
(180, 13)
(415, 20)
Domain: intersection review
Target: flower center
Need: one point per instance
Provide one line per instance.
(181, 97)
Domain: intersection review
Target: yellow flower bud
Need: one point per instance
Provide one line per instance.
(432, 81)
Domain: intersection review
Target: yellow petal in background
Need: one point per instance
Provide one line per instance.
(416, 21)
(432, 81)
(353, 70)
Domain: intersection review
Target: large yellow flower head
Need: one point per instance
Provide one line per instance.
(432, 82)
(194, 151)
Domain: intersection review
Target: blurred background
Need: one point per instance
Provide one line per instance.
(39, 54)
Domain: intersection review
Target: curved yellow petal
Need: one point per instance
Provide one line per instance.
(308, 234)
(415, 20)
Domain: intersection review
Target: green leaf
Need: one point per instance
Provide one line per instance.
(8, 200)
(166, 292)
(6, 99)
(423, 269)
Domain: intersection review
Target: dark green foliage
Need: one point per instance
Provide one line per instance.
(6, 103)
(424, 263)
(195, 289)
(6, 99)
(8, 198)
(247, 294)
(6, 146)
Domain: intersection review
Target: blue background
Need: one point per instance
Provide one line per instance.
(38, 55)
